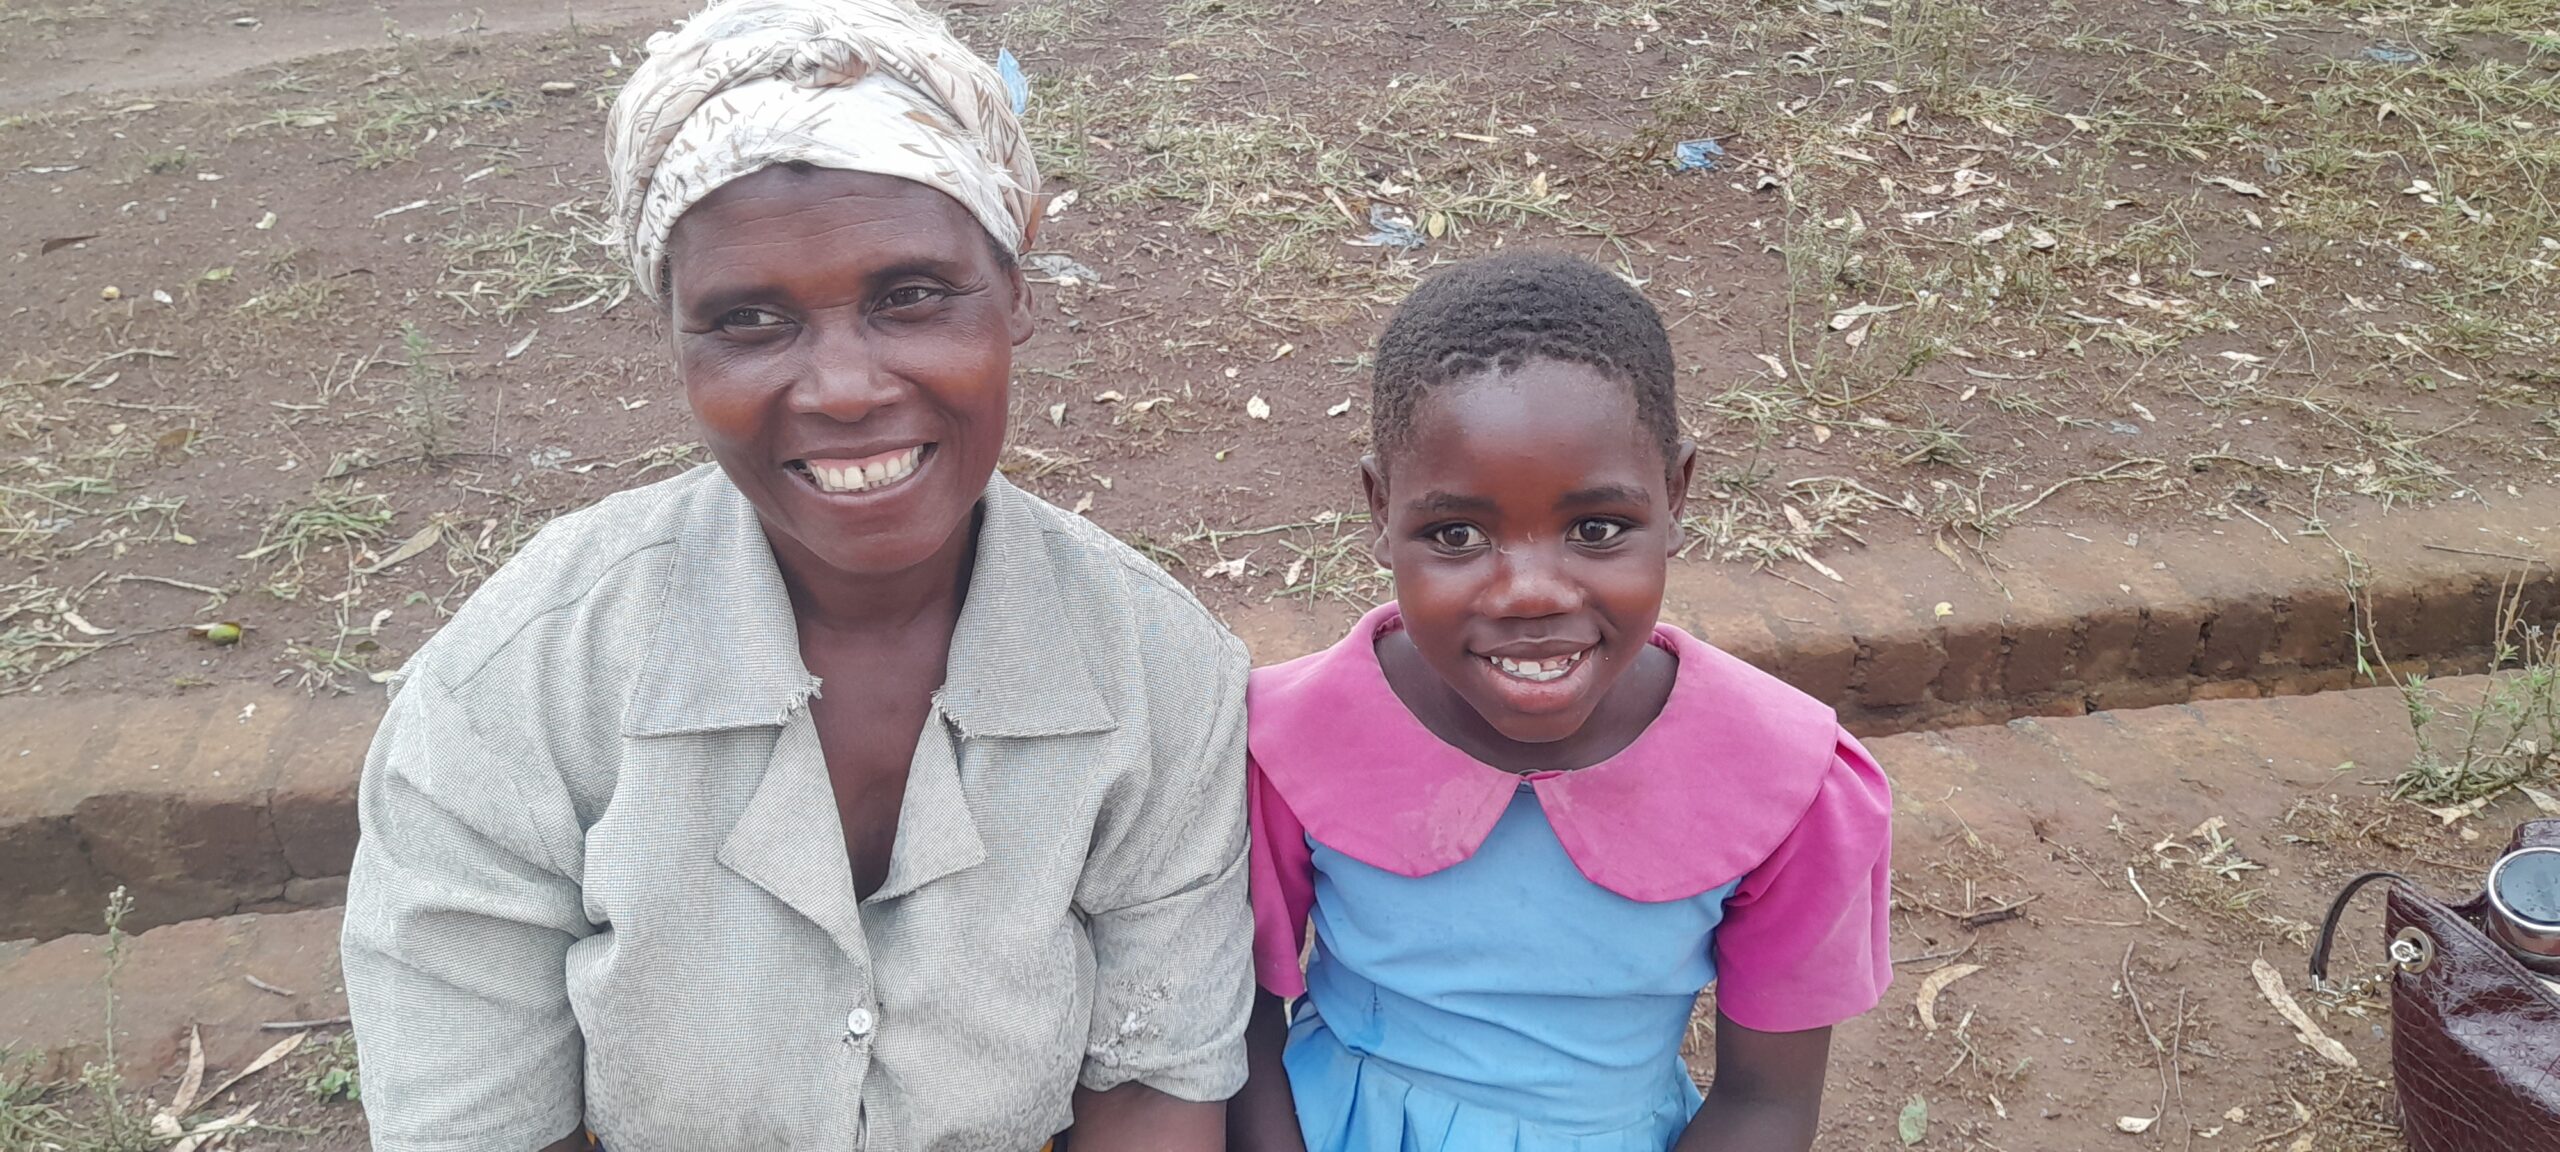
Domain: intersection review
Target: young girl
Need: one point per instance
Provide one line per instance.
(1529, 822)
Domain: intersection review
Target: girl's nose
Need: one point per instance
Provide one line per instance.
(841, 378)
(1530, 582)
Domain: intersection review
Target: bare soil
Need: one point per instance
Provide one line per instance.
(2079, 902)
(1959, 267)
(312, 343)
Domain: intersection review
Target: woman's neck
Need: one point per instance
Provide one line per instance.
(829, 599)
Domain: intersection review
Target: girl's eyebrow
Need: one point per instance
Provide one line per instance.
(1437, 503)
(1604, 494)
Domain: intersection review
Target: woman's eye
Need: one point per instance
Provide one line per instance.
(1596, 531)
(909, 296)
(749, 318)
(1456, 537)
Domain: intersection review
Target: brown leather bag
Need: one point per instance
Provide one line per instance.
(2475, 1037)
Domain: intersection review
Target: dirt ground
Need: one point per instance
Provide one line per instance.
(305, 327)
(313, 346)
(2079, 903)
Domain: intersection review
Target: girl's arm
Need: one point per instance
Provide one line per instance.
(1264, 1117)
(1137, 1118)
(1767, 1095)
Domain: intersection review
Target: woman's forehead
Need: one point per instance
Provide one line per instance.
(781, 221)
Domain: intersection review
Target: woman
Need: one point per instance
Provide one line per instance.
(841, 795)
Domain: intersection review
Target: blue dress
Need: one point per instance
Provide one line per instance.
(1504, 1003)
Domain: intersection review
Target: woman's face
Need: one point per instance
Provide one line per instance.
(846, 340)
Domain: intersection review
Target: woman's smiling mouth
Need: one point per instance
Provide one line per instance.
(863, 474)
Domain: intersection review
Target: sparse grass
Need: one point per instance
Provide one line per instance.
(505, 270)
(2507, 736)
(335, 515)
(430, 405)
(335, 1075)
(394, 121)
(95, 1115)
(1219, 28)
(1325, 557)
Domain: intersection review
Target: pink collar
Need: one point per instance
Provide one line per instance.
(1704, 795)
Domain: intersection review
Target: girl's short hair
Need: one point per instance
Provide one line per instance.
(1495, 314)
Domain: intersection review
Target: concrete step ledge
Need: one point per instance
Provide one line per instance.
(2162, 767)
(53, 996)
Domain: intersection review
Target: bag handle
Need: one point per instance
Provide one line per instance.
(2337, 908)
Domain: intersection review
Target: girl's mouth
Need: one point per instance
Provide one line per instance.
(1544, 671)
(864, 474)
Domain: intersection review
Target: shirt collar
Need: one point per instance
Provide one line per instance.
(1705, 794)
(726, 652)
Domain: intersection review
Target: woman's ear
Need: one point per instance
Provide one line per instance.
(1019, 323)
(1684, 468)
(1373, 483)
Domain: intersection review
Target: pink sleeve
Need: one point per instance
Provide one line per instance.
(1803, 942)
(1284, 887)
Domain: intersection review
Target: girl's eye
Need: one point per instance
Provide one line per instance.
(1596, 531)
(749, 318)
(1457, 537)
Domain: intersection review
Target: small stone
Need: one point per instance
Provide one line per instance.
(110, 292)
(558, 87)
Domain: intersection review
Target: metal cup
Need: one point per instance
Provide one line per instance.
(2524, 907)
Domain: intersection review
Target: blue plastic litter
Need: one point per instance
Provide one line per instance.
(1696, 155)
(1392, 229)
(2391, 54)
(1016, 84)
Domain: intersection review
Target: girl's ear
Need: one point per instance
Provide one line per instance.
(1373, 483)
(1684, 468)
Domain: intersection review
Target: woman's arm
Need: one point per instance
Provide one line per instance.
(1163, 900)
(1136, 1118)
(1264, 1117)
(460, 915)
(1767, 1095)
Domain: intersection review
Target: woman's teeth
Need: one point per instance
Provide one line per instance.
(1538, 671)
(854, 475)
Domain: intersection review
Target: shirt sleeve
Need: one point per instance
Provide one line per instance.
(461, 908)
(1803, 943)
(1164, 898)
(1284, 887)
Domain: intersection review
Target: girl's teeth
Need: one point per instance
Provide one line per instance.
(1537, 671)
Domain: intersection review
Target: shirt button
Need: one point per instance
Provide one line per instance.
(859, 1022)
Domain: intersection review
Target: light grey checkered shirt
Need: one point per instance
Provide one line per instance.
(603, 878)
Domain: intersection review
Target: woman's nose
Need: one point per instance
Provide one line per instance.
(841, 378)
(1532, 581)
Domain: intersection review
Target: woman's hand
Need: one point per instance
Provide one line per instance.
(1264, 1117)
(1767, 1095)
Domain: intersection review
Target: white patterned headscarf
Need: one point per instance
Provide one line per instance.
(863, 85)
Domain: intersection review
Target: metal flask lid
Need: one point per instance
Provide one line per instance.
(2525, 887)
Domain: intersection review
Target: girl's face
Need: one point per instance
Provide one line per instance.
(1529, 519)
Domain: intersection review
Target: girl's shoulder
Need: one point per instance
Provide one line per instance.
(1736, 761)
